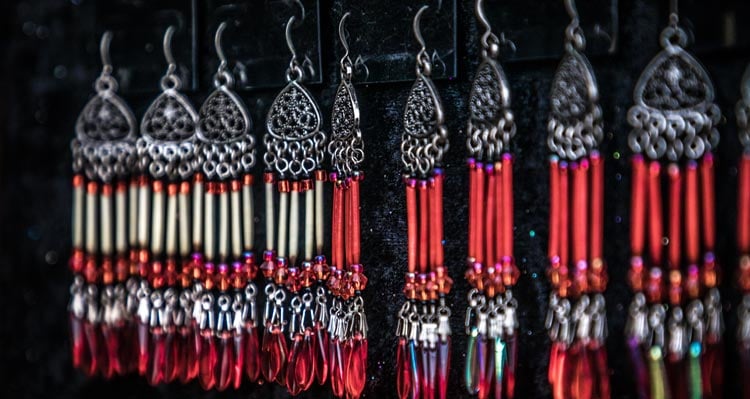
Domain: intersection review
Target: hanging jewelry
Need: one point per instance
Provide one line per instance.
(227, 149)
(348, 325)
(103, 160)
(576, 318)
(491, 318)
(167, 157)
(423, 354)
(294, 155)
(674, 336)
(743, 232)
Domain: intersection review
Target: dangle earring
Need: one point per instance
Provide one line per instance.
(348, 326)
(295, 148)
(576, 319)
(167, 160)
(424, 342)
(743, 232)
(103, 160)
(674, 335)
(228, 314)
(491, 318)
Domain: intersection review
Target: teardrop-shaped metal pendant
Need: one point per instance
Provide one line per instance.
(223, 117)
(491, 123)
(424, 110)
(294, 114)
(170, 118)
(106, 117)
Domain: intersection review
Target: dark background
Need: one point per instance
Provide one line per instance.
(48, 61)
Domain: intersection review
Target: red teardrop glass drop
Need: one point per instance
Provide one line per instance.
(225, 361)
(414, 367)
(559, 387)
(207, 360)
(677, 376)
(321, 353)
(553, 362)
(336, 360)
(239, 358)
(282, 355)
(79, 350)
(443, 367)
(428, 368)
(252, 354)
(485, 361)
(128, 347)
(273, 353)
(599, 356)
(193, 350)
(175, 352)
(294, 365)
(112, 342)
(308, 356)
(582, 379)
(712, 370)
(91, 334)
(158, 359)
(356, 367)
(744, 357)
(509, 376)
(403, 374)
(143, 348)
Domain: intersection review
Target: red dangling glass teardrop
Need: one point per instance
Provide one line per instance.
(486, 370)
(207, 360)
(91, 333)
(559, 387)
(158, 358)
(273, 354)
(443, 367)
(143, 348)
(510, 367)
(175, 352)
(193, 348)
(414, 367)
(321, 353)
(239, 358)
(429, 368)
(112, 342)
(308, 356)
(79, 349)
(128, 347)
(252, 354)
(225, 360)
(356, 366)
(336, 359)
(299, 368)
(403, 374)
(677, 377)
(599, 356)
(712, 370)
(581, 378)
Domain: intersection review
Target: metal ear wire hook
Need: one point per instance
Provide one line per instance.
(104, 52)
(167, 46)
(219, 48)
(573, 33)
(423, 60)
(674, 14)
(346, 61)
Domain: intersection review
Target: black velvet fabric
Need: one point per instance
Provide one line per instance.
(46, 78)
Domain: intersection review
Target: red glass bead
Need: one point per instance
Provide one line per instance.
(336, 359)
(357, 279)
(79, 350)
(225, 361)
(320, 341)
(112, 342)
(158, 358)
(273, 353)
(194, 351)
(320, 268)
(252, 353)
(293, 281)
(356, 366)
(207, 360)
(403, 374)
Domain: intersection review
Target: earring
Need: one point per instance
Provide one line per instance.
(227, 149)
(743, 230)
(670, 329)
(491, 318)
(576, 319)
(423, 354)
(167, 157)
(348, 327)
(294, 156)
(103, 160)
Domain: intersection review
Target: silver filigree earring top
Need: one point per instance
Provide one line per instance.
(575, 121)
(294, 142)
(674, 112)
(346, 147)
(491, 124)
(224, 128)
(105, 129)
(743, 111)
(425, 137)
(169, 125)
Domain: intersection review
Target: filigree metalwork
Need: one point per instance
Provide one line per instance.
(575, 122)
(425, 137)
(674, 113)
(294, 142)
(346, 147)
(491, 124)
(742, 110)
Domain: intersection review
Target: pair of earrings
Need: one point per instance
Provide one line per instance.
(327, 327)
(165, 310)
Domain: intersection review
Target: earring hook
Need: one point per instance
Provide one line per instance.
(346, 62)
(570, 7)
(674, 14)
(416, 28)
(104, 52)
(573, 33)
(219, 49)
(167, 45)
(424, 67)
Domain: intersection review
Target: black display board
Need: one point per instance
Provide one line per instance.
(49, 61)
